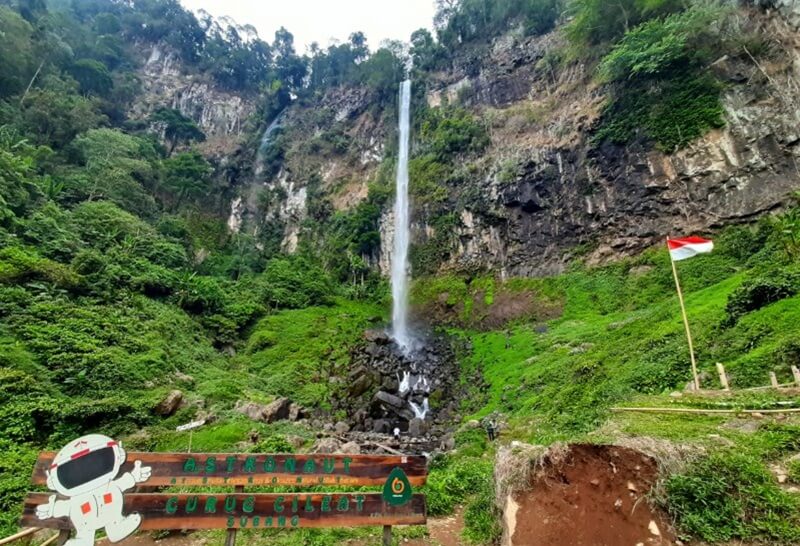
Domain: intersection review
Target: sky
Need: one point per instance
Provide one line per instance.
(323, 20)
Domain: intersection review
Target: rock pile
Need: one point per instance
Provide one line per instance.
(388, 389)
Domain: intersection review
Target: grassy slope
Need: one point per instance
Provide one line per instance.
(620, 341)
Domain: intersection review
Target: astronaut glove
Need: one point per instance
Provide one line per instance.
(141, 473)
(45, 511)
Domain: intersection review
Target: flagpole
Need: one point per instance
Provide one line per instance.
(695, 377)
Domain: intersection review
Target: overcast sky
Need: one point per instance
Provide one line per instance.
(323, 20)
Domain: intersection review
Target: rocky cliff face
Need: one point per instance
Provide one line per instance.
(543, 189)
(560, 192)
(166, 82)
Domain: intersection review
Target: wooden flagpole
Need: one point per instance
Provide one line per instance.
(695, 377)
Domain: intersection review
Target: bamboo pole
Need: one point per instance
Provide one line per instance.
(695, 377)
(20, 535)
(705, 411)
(723, 377)
(50, 541)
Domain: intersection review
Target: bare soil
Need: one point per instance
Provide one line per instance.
(592, 496)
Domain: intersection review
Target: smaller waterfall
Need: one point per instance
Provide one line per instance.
(420, 412)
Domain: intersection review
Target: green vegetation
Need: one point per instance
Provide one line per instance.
(730, 495)
(120, 281)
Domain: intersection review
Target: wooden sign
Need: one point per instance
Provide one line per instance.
(253, 511)
(222, 469)
(191, 426)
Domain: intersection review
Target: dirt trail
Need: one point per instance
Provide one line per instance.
(592, 496)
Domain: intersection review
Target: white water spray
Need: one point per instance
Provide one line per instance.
(402, 234)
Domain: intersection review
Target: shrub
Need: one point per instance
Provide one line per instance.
(672, 112)
(761, 291)
(657, 46)
(728, 496)
(452, 130)
(295, 283)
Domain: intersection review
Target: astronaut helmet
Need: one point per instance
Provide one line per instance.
(85, 464)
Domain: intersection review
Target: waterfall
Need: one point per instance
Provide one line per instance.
(401, 227)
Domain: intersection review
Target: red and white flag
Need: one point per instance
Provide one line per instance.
(688, 247)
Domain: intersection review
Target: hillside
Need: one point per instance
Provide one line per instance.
(196, 223)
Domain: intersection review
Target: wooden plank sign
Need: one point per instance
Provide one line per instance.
(97, 482)
(222, 469)
(253, 511)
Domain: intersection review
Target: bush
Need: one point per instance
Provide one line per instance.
(672, 112)
(452, 130)
(732, 496)
(295, 283)
(761, 291)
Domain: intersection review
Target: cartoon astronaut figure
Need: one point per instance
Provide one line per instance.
(84, 473)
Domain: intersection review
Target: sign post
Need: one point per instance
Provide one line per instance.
(190, 427)
(305, 505)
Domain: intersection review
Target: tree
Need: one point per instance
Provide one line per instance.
(289, 68)
(177, 128)
(55, 114)
(117, 167)
(92, 76)
(16, 49)
(187, 175)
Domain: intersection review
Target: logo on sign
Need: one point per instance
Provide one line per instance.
(397, 490)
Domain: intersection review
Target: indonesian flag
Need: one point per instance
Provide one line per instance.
(689, 247)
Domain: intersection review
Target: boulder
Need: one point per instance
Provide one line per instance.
(390, 400)
(275, 411)
(169, 405)
(380, 426)
(417, 428)
(341, 428)
(295, 412)
(252, 410)
(448, 443)
(350, 448)
(327, 445)
(378, 337)
(360, 384)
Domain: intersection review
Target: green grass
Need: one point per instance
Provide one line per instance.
(295, 353)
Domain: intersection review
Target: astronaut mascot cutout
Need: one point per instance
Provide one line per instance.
(84, 473)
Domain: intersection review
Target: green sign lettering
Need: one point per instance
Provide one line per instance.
(230, 463)
(191, 505)
(278, 505)
(211, 505)
(172, 505)
(190, 465)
